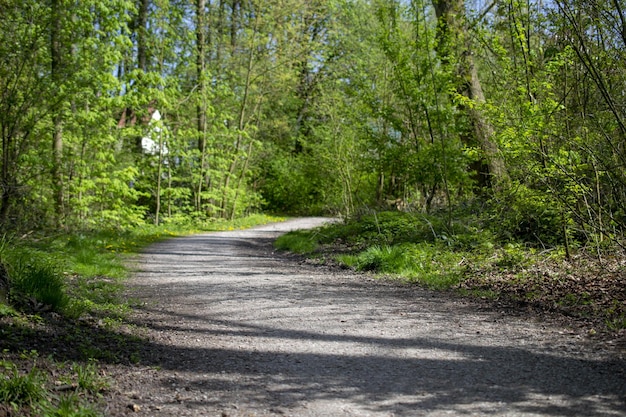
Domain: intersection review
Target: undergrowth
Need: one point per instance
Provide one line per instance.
(476, 257)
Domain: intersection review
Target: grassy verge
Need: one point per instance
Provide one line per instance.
(62, 318)
(475, 261)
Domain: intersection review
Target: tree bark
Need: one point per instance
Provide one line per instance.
(142, 34)
(56, 55)
(200, 70)
(454, 47)
(201, 83)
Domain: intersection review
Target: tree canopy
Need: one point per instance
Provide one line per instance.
(122, 112)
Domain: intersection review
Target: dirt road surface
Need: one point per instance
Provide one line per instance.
(236, 329)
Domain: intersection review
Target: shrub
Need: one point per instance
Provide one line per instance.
(528, 215)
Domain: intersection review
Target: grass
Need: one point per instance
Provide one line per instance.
(72, 405)
(427, 264)
(88, 378)
(38, 282)
(31, 391)
(22, 390)
(297, 242)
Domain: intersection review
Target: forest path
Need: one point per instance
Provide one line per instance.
(235, 329)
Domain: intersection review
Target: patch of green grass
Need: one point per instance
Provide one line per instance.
(27, 393)
(19, 390)
(384, 259)
(616, 323)
(302, 242)
(89, 379)
(7, 311)
(71, 405)
(39, 281)
(428, 264)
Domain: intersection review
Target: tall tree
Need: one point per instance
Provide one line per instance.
(455, 49)
(57, 52)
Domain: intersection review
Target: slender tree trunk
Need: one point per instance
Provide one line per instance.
(455, 47)
(142, 34)
(56, 55)
(241, 122)
(201, 109)
(5, 181)
(159, 175)
(200, 70)
(234, 27)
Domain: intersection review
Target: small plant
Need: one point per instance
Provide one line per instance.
(7, 311)
(70, 405)
(22, 390)
(88, 378)
(616, 323)
(513, 257)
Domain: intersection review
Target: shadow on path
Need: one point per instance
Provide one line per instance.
(228, 317)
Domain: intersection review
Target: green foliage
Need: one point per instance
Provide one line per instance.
(529, 216)
(7, 311)
(291, 185)
(88, 378)
(28, 392)
(395, 227)
(384, 259)
(381, 228)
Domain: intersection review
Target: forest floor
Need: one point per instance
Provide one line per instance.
(224, 326)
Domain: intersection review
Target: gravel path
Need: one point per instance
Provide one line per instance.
(237, 330)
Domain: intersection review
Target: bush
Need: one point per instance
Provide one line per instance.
(383, 228)
(530, 216)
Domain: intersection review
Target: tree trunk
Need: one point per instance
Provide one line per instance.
(56, 55)
(454, 46)
(6, 184)
(200, 71)
(201, 107)
(142, 34)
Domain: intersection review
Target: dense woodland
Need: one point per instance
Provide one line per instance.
(124, 112)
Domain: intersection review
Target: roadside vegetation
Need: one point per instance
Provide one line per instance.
(480, 256)
(62, 315)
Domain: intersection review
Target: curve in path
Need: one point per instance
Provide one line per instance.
(237, 330)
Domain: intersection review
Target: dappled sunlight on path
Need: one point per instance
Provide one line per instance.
(235, 330)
